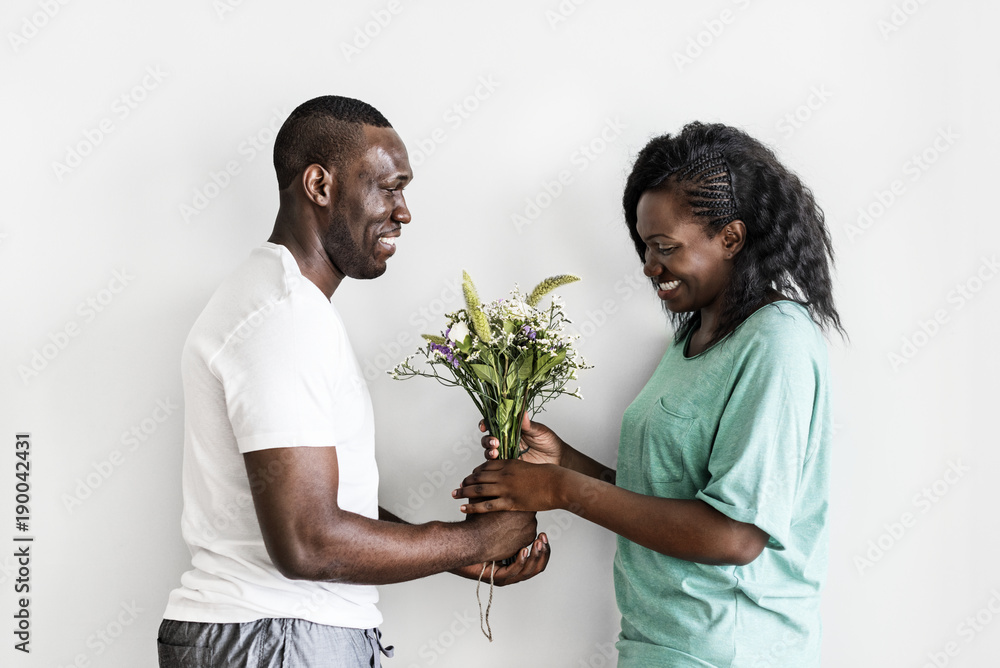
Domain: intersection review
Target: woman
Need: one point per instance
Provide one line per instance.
(720, 498)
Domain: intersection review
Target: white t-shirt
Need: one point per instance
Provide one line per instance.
(267, 365)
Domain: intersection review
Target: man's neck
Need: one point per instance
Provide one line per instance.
(309, 255)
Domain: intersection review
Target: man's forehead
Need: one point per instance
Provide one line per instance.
(385, 152)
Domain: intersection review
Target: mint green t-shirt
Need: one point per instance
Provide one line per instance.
(746, 427)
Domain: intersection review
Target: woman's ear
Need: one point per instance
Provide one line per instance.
(733, 236)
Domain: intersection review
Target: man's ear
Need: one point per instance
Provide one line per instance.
(319, 185)
(733, 237)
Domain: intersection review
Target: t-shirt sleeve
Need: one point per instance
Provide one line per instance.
(279, 372)
(762, 442)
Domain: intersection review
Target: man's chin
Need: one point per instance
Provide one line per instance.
(368, 273)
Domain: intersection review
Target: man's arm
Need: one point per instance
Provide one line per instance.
(528, 563)
(386, 516)
(309, 537)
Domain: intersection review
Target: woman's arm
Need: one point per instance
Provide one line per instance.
(687, 529)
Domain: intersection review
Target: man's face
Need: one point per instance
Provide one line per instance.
(369, 209)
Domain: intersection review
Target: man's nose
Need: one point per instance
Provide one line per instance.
(401, 214)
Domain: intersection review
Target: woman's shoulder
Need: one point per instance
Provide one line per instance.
(783, 329)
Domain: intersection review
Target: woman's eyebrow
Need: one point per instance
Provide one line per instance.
(659, 234)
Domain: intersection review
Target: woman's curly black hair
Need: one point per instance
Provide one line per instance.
(728, 175)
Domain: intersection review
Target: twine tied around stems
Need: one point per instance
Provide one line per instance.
(488, 632)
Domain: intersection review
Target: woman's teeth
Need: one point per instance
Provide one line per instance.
(669, 286)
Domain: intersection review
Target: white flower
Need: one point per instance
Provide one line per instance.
(458, 332)
(519, 308)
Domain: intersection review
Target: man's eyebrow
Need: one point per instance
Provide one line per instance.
(399, 176)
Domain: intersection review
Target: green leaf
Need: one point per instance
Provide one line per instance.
(522, 368)
(485, 373)
(465, 345)
(548, 364)
(504, 410)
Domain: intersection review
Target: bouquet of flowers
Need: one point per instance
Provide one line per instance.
(509, 355)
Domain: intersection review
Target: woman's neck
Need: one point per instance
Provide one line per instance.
(705, 333)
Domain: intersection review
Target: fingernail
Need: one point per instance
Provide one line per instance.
(454, 493)
(464, 508)
(524, 553)
(545, 539)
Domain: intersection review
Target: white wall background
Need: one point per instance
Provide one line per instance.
(850, 94)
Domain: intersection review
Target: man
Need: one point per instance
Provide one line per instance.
(280, 484)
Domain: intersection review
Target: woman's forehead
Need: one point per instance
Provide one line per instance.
(664, 211)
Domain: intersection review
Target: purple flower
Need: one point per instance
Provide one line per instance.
(448, 352)
(529, 331)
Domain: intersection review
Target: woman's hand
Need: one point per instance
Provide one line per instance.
(530, 561)
(512, 485)
(539, 444)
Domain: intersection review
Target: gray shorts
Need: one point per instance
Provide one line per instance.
(267, 643)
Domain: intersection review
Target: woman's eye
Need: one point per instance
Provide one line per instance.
(666, 250)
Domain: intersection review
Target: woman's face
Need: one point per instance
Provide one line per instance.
(690, 271)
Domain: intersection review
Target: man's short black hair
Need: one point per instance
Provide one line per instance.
(325, 131)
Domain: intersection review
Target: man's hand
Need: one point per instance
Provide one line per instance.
(530, 561)
(500, 535)
(539, 444)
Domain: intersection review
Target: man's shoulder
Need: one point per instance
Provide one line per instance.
(263, 298)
